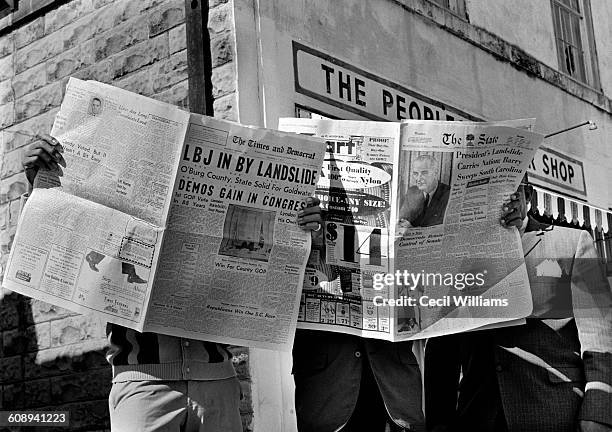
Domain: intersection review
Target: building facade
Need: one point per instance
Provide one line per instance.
(438, 59)
(349, 59)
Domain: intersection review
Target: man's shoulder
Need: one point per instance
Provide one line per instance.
(442, 192)
(570, 235)
(561, 241)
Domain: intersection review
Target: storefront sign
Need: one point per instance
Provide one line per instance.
(335, 82)
(554, 168)
(345, 86)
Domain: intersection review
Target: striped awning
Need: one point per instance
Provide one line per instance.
(561, 210)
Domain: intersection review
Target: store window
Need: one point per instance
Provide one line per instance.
(455, 6)
(574, 39)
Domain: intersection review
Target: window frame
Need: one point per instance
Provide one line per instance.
(456, 7)
(573, 28)
(7, 7)
(22, 12)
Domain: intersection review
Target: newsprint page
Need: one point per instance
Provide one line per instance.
(412, 246)
(169, 222)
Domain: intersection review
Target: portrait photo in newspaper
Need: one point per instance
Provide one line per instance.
(425, 178)
(95, 106)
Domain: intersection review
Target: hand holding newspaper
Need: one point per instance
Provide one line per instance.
(413, 245)
(167, 221)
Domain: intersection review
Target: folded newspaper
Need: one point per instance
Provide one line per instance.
(169, 222)
(412, 245)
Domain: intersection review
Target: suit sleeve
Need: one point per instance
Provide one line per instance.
(592, 307)
(442, 371)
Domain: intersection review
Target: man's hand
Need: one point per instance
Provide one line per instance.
(45, 153)
(310, 217)
(403, 223)
(402, 226)
(591, 426)
(511, 212)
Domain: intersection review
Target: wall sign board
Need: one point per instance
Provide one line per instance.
(558, 170)
(335, 82)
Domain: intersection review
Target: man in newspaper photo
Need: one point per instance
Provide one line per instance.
(95, 106)
(553, 373)
(425, 202)
(164, 382)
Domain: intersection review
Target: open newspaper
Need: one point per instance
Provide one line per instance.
(168, 221)
(412, 245)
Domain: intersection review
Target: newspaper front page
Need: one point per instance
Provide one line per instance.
(433, 210)
(234, 258)
(168, 221)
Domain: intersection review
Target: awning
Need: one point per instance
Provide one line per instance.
(561, 210)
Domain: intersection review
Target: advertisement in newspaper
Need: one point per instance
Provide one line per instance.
(169, 222)
(355, 190)
(447, 182)
(83, 256)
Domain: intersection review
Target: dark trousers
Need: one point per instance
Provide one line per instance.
(370, 414)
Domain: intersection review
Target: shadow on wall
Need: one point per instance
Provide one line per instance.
(51, 360)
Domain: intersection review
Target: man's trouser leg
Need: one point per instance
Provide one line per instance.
(370, 414)
(175, 406)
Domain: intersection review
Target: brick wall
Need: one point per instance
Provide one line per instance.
(50, 357)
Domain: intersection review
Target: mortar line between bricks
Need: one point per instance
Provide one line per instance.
(25, 120)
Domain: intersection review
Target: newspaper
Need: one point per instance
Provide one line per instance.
(394, 260)
(169, 222)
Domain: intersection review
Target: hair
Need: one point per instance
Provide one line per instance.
(96, 98)
(430, 159)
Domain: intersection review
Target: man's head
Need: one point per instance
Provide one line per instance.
(96, 106)
(425, 173)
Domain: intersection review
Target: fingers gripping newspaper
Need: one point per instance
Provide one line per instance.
(167, 221)
(412, 246)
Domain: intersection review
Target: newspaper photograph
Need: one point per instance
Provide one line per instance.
(168, 221)
(401, 271)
